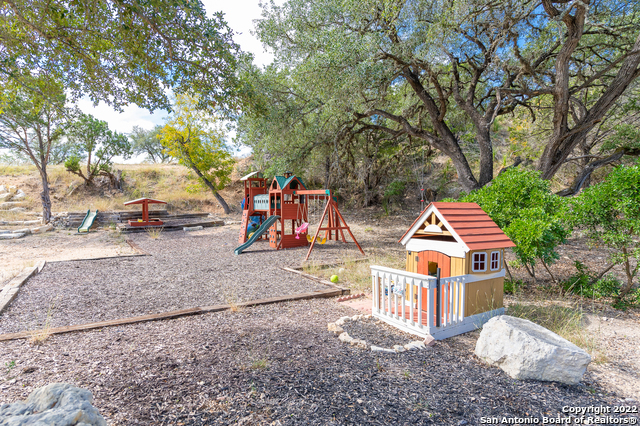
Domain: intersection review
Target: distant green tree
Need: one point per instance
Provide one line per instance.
(147, 142)
(31, 126)
(192, 137)
(523, 206)
(609, 212)
(96, 145)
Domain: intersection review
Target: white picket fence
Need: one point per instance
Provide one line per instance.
(407, 300)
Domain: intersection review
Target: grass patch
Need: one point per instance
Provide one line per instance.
(154, 233)
(260, 364)
(565, 322)
(354, 273)
(231, 299)
(39, 336)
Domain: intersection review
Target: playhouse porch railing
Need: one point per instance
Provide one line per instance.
(408, 301)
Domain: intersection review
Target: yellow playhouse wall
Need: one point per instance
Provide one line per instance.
(412, 263)
(483, 296)
(467, 266)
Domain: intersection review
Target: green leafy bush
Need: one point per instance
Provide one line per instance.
(609, 213)
(585, 283)
(512, 286)
(523, 206)
(393, 192)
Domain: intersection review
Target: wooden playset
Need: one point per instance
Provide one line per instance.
(454, 275)
(281, 210)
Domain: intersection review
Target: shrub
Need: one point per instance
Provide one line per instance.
(523, 206)
(609, 213)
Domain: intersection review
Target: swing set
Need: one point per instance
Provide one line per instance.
(335, 226)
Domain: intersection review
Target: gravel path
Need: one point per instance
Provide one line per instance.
(184, 270)
(277, 363)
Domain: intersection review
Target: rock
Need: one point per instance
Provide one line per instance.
(525, 350)
(3, 188)
(22, 231)
(344, 337)
(19, 195)
(416, 344)
(11, 236)
(367, 316)
(335, 328)
(429, 341)
(41, 229)
(398, 348)
(10, 204)
(342, 320)
(359, 343)
(15, 209)
(6, 196)
(192, 228)
(356, 317)
(375, 348)
(57, 404)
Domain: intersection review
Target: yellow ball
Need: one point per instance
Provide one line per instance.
(334, 278)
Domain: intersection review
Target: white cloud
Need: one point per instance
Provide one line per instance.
(123, 122)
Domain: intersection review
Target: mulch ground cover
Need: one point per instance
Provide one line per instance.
(265, 365)
(278, 364)
(184, 270)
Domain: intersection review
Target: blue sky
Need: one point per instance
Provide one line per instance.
(240, 15)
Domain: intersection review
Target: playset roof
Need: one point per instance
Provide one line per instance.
(466, 222)
(283, 181)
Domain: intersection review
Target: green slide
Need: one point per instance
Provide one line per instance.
(87, 222)
(263, 228)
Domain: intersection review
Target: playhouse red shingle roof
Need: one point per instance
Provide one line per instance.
(474, 227)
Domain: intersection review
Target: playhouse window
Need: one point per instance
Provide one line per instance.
(495, 260)
(479, 263)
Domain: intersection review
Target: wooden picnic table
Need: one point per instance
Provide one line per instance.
(145, 212)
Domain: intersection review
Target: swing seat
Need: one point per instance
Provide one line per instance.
(321, 241)
(301, 229)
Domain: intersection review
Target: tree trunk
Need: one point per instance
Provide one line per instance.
(628, 272)
(565, 139)
(581, 180)
(221, 201)
(45, 196)
(483, 138)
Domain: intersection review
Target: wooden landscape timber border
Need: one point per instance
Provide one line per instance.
(174, 314)
(10, 291)
(135, 246)
(167, 226)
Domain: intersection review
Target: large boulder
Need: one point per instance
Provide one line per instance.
(57, 404)
(525, 350)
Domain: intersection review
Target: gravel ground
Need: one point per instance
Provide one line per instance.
(185, 270)
(376, 332)
(277, 364)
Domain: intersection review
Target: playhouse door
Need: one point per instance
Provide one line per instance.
(428, 264)
(430, 261)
